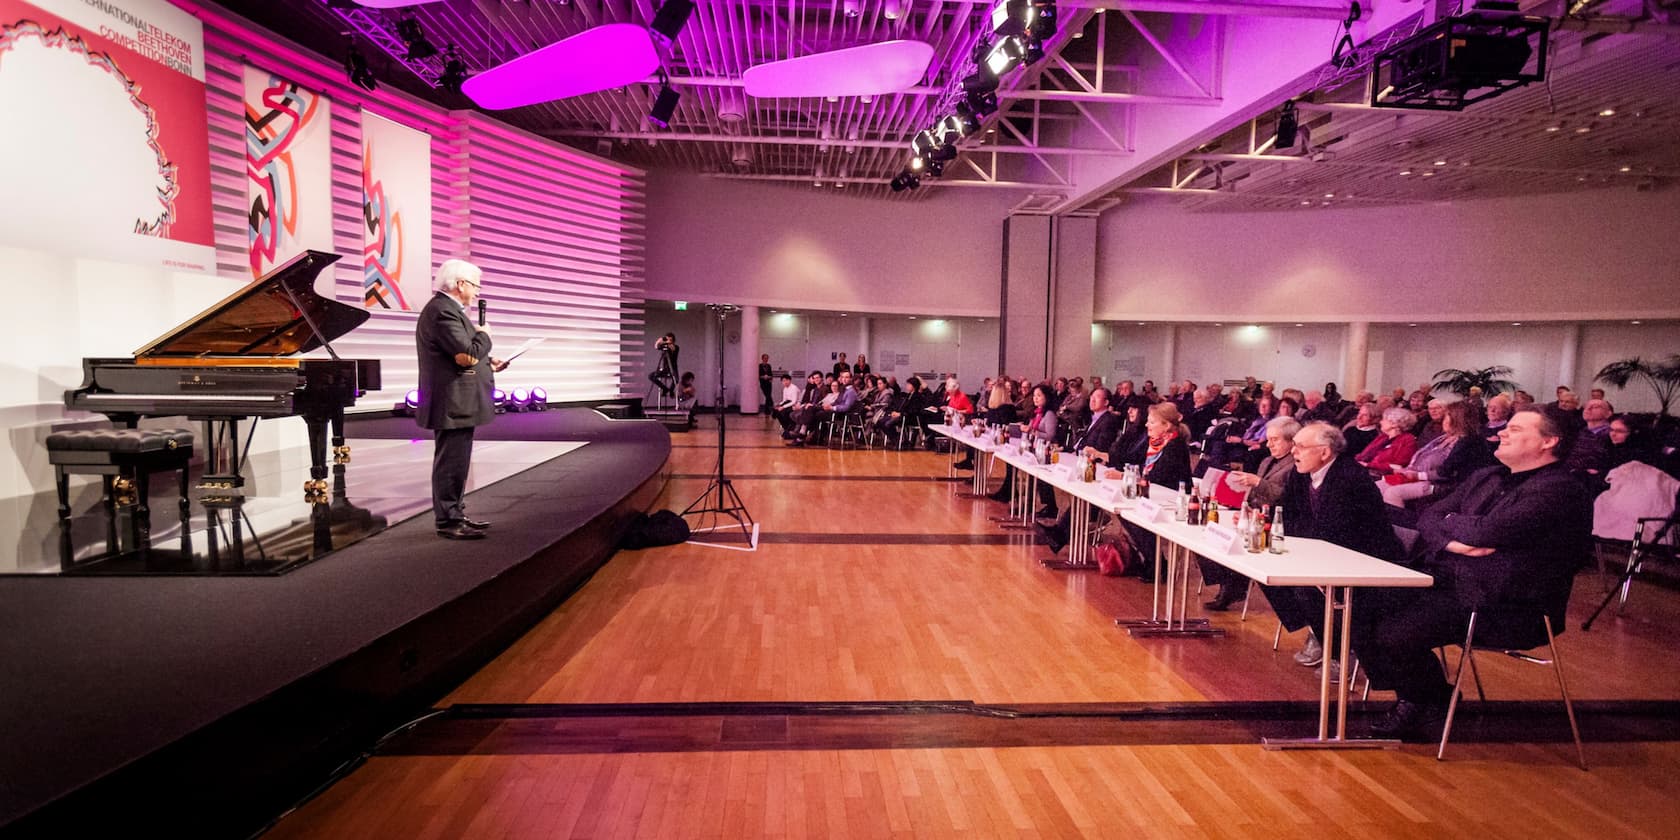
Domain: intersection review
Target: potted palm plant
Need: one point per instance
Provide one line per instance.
(1663, 375)
(1492, 380)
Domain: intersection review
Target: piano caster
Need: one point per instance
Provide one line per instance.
(123, 492)
(341, 454)
(315, 491)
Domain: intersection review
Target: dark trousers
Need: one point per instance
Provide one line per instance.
(1214, 573)
(1298, 606)
(451, 458)
(1046, 493)
(1395, 633)
(764, 388)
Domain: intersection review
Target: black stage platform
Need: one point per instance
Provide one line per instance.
(206, 704)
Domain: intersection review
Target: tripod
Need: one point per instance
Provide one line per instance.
(1636, 560)
(719, 498)
(664, 379)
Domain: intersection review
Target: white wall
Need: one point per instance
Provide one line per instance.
(1598, 255)
(776, 245)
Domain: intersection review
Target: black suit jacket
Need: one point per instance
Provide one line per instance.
(452, 396)
(1100, 436)
(1350, 511)
(1539, 528)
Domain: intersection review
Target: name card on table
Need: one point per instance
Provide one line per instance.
(1223, 538)
(1151, 510)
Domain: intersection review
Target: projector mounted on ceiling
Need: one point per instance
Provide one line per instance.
(1463, 59)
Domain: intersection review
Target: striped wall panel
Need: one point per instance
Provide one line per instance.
(559, 233)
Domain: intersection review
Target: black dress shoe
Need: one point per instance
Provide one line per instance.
(475, 524)
(998, 497)
(1228, 595)
(460, 531)
(964, 465)
(1045, 512)
(1409, 717)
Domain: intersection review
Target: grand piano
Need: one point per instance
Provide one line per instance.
(238, 360)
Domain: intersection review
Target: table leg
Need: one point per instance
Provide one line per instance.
(1178, 583)
(1343, 644)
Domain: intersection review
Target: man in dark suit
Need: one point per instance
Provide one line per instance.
(1509, 535)
(1329, 497)
(457, 376)
(1105, 426)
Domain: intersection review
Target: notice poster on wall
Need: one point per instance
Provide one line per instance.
(288, 170)
(104, 144)
(397, 214)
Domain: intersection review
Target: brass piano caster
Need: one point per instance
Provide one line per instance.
(123, 492)
(315, 491)
(341, 455)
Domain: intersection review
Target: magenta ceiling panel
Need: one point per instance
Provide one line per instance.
(607, 56)
(868, 70)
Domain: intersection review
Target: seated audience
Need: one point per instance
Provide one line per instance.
(1166, 462)
(1431, 428)
(1394, 443)
(1592, 445)
(1625, 444)
(1498, 411)
(1441, 463)
(1508, 535)
(784, 408)
(1040, 427)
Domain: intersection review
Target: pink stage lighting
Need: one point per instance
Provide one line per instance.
(392, 4)
(608, 56)
(887, 67)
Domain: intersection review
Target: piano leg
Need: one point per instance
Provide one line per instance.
(315, 489)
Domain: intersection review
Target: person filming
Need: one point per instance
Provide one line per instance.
(665, 375)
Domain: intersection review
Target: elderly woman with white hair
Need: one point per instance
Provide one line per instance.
(1394, 445)
(1264, 487)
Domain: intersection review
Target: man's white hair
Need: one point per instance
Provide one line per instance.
(453, 271)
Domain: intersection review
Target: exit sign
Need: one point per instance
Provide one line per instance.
(682, 306)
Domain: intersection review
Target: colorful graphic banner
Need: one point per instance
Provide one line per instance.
(105, 131)
(397, 214)
(288, 170)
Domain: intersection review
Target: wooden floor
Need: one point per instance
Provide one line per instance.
(876, 583)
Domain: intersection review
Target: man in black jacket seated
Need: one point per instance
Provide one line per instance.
(1329, 497)
(1507, 535)
(1098, 439)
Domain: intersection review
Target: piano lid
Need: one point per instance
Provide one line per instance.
(262, 319)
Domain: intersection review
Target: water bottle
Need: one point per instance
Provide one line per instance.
(1181, 509)
(1276, 546)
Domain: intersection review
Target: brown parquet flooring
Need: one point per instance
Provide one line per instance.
(835, 622)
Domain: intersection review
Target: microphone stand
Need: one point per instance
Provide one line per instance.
(719, 499)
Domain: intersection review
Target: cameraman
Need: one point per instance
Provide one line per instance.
(665, 375)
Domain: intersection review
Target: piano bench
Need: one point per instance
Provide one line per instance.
(125, 457)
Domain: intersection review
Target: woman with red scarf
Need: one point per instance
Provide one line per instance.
(1166, 463)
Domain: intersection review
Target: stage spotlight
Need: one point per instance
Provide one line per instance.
(924, 142)
(1012, 17)
(1288, 125)
(499, 398)
(664, 106)
(905, 181)
(917, 164)
(980, 82)
(964, 119)
(356, 69)
(893, 9)
(1006, 55)
(539, 398)
(982, 105)
(669, 20)
(419, 48)
(851, 8)
(406, 408)
(941, 153)
(454, 73)
(936, 168)
(519, 399)
(1044, 22)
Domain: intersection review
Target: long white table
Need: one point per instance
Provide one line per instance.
(979, 445)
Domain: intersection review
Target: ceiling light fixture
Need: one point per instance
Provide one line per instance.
(414, 37)
(664, 105)
(357, 71)
(454, 72)
(1607, 112)
(669, 21)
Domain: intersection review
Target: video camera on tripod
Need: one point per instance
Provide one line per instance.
(664, 376)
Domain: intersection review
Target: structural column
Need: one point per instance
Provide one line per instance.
(1569, 358)
(865, 325)
(1169, 359)
(1358, 356)
(750, 395)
